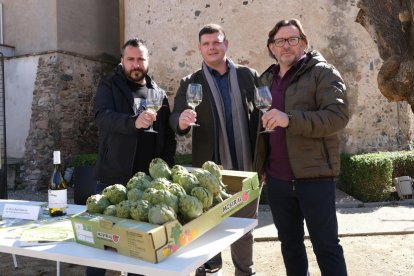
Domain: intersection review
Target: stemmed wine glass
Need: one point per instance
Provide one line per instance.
(137, 104)
(194, 96)
(263, 101)
(154, 103)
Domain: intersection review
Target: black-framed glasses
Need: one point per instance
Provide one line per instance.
(280, 42)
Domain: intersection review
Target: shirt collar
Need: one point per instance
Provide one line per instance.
(215, 73)
(295, 66)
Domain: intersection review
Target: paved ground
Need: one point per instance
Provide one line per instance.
(378, 239)
(354, 218)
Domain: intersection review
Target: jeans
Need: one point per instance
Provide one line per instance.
(292, 202)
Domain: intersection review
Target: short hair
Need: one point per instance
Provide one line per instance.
(211, 29)
(283, 23)
(134, 42)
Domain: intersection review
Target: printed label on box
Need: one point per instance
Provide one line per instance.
(84, 233)
(235, 202)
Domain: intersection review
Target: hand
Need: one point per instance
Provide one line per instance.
(274, 118)
(262, 178)
(145, 119)
(187, 117)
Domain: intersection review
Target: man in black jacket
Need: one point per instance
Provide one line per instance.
(122, 119)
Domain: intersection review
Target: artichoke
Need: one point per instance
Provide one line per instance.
(110, 210)
(190, 207)
(139, 210)
(140, 181)
(176, 189)
(224, 195)
(188, 182)
(115, 193)
(208, 181)
(123, 209)
(177, 176)
(204, 195)
(161, 183)
(134, 194)
(97, 203)
(178, 169)
(160, 214)
(156, 197)
(213, 168)
(159, 168)
(140, 175)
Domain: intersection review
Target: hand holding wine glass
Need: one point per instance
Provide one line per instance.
(154, 103)
(194, 96)
(137, 105)
(263, 101)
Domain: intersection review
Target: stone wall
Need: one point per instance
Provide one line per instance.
(171, 32)
(62, 117)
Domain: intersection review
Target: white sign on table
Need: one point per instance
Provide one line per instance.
(29, 212)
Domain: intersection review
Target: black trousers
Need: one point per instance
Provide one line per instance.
(292, 202)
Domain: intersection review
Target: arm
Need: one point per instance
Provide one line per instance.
(113, 113)
(331, 110)
(180, 105)
(108, 117)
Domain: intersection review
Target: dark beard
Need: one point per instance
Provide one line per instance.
(139, 78)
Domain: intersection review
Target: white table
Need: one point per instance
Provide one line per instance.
(183, 262)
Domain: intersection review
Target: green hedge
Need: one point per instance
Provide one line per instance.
(85, 159)
(368, 177)
(402, 163)
(183, 159)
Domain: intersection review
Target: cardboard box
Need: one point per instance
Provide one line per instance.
(153, 243)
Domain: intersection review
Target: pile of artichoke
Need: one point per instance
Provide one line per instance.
(164, 195)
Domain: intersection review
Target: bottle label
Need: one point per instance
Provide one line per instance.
(58, 198)
(56, 157)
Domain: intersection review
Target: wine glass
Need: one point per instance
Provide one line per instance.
(194, 96)
(154, 103)
(137, 104)
(263, 101)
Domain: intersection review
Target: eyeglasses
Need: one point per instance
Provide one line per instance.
(280, 42)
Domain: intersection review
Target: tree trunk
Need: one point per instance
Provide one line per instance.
(390, 24)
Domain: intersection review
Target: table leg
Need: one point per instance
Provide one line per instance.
(57, 268)
(14, 261)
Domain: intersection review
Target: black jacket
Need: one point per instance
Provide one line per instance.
(205, 138)
(113, 109)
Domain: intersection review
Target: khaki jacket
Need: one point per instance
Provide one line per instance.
(317, 105)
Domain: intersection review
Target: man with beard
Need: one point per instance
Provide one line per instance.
(122, 118)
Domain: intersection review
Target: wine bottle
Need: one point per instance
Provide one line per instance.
(57, 193)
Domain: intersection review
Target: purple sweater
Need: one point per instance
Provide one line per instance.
(278, 164)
